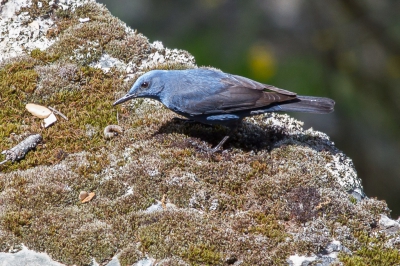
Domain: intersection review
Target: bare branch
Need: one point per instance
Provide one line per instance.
(18, 152)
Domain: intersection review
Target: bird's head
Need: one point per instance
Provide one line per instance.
(149, 85)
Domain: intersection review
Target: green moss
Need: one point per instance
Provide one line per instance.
(132, 49)
(90, 240)
(353, 199)
(107, 31)
(303, 203)
(371, 252)
(64, 14)
(96, 165)
(93, 11)
(17, 82)
(63, 20)
(129, 256)
(17, 221)
(181, 228)
(43, 56)
(84, 43)
(82, 107)
(202, 254)
(112, 189)
(37, 9)
(269, 226)
(18, 77)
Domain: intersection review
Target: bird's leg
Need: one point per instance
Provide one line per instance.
(232, 130)
(220, 144)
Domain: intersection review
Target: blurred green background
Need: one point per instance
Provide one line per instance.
(348, 50)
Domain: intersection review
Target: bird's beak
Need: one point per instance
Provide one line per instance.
(127, 97)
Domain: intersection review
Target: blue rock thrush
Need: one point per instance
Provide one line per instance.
(213, 97)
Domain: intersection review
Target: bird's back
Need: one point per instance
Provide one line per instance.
(205, 91)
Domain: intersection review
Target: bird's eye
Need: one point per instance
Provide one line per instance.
(144, 85)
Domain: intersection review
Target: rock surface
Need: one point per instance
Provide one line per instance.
(26, 257)
(277, 194)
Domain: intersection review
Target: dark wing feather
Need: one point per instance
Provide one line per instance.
(239, 93)
(242, 82)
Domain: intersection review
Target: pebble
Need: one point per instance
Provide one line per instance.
(83, 195)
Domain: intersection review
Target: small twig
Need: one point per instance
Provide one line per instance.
(21, 149)
(163, 201)
(58, 112)
(3, 161)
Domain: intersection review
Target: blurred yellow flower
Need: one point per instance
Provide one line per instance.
(393, 66)
(261, 62)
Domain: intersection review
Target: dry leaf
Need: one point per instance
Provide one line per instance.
(89, 198)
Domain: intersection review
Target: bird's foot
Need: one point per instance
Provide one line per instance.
(219, 146)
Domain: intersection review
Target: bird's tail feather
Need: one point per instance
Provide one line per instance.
(309, 104)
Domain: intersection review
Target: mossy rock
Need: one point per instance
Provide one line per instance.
(276, 190)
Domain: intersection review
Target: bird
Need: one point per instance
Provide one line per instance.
(211, 96)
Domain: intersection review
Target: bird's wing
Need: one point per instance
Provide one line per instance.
(238, 93)
(233, 81)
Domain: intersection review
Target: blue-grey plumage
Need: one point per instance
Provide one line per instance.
(213, 97)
